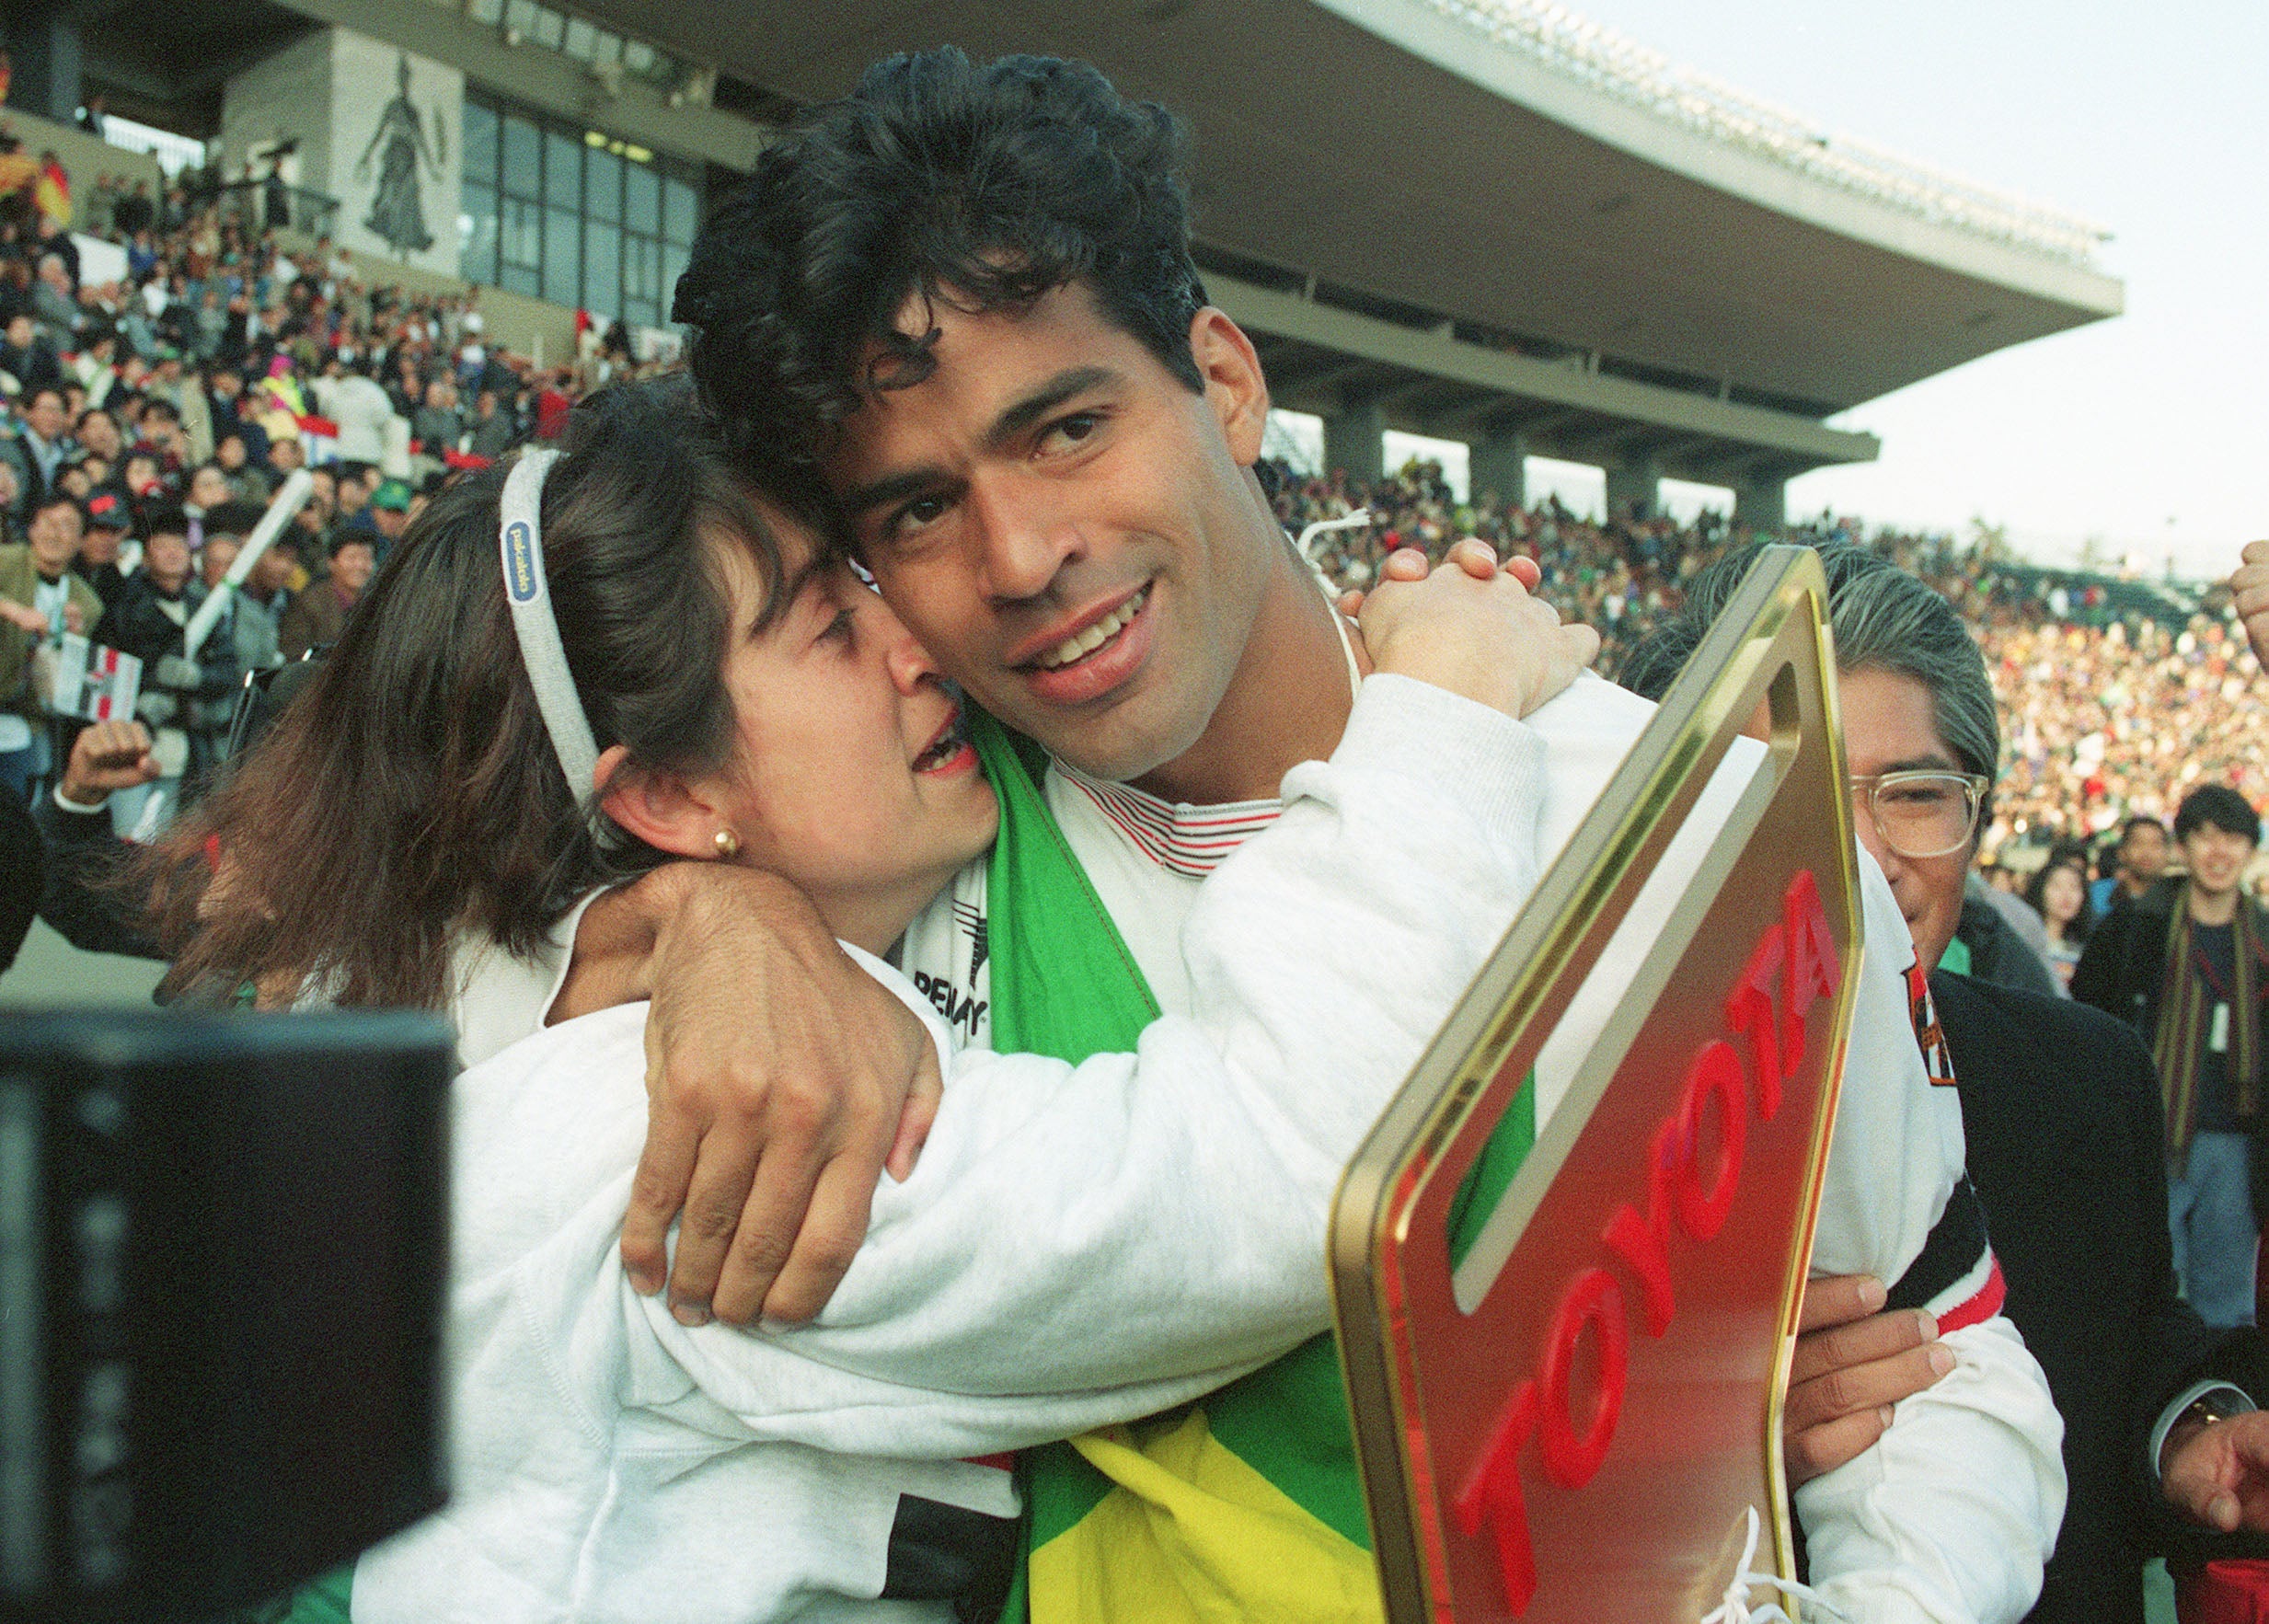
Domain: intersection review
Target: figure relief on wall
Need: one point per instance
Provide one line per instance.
(397, 209)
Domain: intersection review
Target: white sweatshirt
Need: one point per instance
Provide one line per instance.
(1951, 1517)
(1161, 1213)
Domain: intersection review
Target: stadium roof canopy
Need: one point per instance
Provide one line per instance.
(1479, 218)
(1490, 198)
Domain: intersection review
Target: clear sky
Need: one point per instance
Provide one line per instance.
(2150, 430)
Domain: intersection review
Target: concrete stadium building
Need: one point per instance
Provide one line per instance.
(1481, 220)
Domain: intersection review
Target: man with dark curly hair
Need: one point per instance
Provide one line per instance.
(962, 301)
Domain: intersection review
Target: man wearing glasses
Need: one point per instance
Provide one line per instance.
(2062, 1114)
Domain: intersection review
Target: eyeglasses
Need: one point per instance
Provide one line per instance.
(1923, 813)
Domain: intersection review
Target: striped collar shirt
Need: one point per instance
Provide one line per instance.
(1191, 841)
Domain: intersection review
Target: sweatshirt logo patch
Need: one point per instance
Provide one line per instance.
(1930, 1036)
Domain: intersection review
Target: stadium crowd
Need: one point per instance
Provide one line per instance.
(428, 864)
(2108, 713)
(149, 419)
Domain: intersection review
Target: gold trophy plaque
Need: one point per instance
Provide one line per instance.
(1567, 1403)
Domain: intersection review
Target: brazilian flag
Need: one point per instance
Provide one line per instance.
(1246, 1504)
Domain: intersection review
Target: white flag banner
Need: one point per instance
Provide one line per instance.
(93, 682)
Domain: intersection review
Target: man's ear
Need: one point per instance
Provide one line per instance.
(1235, 386)
(661, 809)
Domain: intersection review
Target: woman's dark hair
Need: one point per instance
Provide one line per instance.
(412, 793)
(982, 184)
(2081, 925)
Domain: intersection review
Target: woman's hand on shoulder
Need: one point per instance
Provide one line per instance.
(1474, 626)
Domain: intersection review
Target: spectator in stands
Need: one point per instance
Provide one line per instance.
(494, 430)
(317, 615)
(28, 356)
(312, 524)
(169, 386)
(266, 594)
(54, 304)
(136, 213)
(2187, 964)
(159, 427)
(246, 482)
(97, 430)
(2059, 895)
(286, 457)
(208, 489)
(107, 527)
(552, 402)
(389, 514)
(353, 484)
(437, 427)
(2055, 1099)
(39, 600)
(2139, 862)
(39, 448)
(353, 401)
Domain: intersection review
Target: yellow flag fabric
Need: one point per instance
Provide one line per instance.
(1192, 1534)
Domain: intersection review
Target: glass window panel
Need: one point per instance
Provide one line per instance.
(608, 48)
(480, 141)
(563, 257)
(582, 39)
(476, 233)
(521, 170)
(521, 229)
(641, 198)
(672, 266)
(601, 267)
(519, 279)
(641, 267)
(563, 170)
(550, 28)
(601, 184)
(520, 15)
(681, 210)
(638, 56)
(488, 12)
(640, 313)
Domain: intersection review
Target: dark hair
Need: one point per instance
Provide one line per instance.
(2221, 806)
(231, 518)
(56, 497)
(346, 535)
(987, 186)
(412, 793)
(2142, 821)
(2081, 925)
(165, 521)
(1883, 618)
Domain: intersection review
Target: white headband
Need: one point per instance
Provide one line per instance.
(520, 539)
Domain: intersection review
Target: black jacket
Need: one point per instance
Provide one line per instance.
(2060, 1106)
(83, 898)
(2121, 969)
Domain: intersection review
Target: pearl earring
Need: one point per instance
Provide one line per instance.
(728, 844)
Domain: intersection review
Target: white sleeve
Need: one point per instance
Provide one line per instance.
(502, 998)
(1952, 1515)
(1158, 1218)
